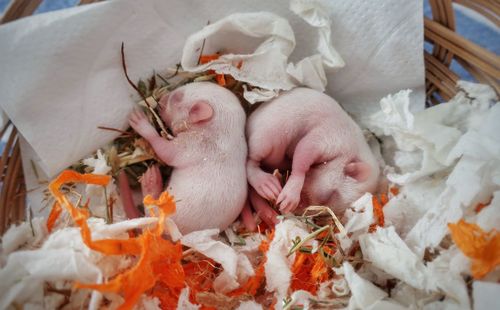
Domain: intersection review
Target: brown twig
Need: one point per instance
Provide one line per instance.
(163, 79)
(177, 68)
(163, 130)
(125, 133)
(202, 47)
(124, 66)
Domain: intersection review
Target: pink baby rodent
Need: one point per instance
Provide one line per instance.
(308, 132)
(208, 154)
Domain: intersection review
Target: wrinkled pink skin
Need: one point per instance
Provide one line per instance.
(208, 155)
(308, 132)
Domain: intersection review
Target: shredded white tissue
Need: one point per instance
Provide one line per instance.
(148, 303)
(313, 12)
(340, 287)
(489, 217)
(249, 305)
(60, 256)
(99, 165)
(172, 229)
(19, 235)
(409, 296)
(385, 250)
(472, 180)
(302, 298)
(259, 94)
(267, 42)
(102, 231)
(285, 233)
(237, 267)
(445, 271)
(203, 242)
(26, 271)
(481, 92)
(364, 293)
(360, 217)
(225, 282)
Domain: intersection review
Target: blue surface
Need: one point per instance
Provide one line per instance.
(45, 6)
(466, 26)
(3, 4)
(475, 32)
(52, 5)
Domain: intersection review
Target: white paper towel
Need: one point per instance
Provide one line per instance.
(61, 76)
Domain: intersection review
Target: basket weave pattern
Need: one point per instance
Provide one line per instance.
(441, 81)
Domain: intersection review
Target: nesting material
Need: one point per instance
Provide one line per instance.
(419, 244)
(266, 65)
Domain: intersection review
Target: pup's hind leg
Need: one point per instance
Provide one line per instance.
(151, 182)
(265, 184)
(262, 208)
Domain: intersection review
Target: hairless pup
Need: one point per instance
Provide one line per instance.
(208, 154)
(308, 132)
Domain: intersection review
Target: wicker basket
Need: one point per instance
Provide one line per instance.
(441, 81)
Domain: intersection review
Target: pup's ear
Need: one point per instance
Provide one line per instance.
(360, 171)
(200, 111)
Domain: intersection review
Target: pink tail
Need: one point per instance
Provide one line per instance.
(126, 195)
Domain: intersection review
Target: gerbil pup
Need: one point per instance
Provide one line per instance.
(208, 154)
(308, 132)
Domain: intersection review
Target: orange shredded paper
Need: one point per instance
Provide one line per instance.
(378, 203)
(159, 259)
(220, 78)
(308, 270)
(482, 247)
(53, 216)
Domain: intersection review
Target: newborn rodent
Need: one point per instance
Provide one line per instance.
(308, 132)
(208, 155)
